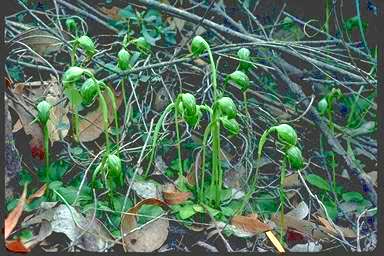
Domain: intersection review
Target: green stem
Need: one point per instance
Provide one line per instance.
(105, 120)
(204, 147)
(76, 121)
(46, 146)
(262, 141)
(213, 70)
(282, 199)
(114, 107)
(178, 138)
(155, 136)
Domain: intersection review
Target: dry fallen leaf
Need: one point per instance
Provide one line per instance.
(41, 41)
(250, 223)
(347, 232)
(14, 216)
(16, 246)
(150, 237)
(91, 127)
(39, 193)
(172, 196)
(113, 12)
(85, 232)
(304, 227)
(300, 212)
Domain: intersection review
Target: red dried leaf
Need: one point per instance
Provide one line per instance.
(39, 193)
(172, 196)
(16, 246)
(250, 223)
(14, 216)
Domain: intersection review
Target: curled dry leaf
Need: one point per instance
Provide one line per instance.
(146, 189)
(300, 212)
(16, 246)
(305, 227)
(91, 127)
(113, 12)
(150, 237)
(39, 193)
(41, 41)
(14, 216)
(347, 232)
(250, 223)
(87, 233)
(172, 196)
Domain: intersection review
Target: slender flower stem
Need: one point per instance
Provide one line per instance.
(204, 147)
(155, 136)
(180, 163)
(46, 146)
(282, 198)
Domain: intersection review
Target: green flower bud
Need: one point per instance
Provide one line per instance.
(231, 125)
(227, 107)
(286, 134)
(142, 44)
(295, 158)
(71, 24)
(114, 165)
(89, 91)
(245, 56)
(322, 106)
(87, 44)
(191, 120)
(72, 75)
(189, 103)
(240, 79)
(198, 45)
(43, 112)
(123, 59)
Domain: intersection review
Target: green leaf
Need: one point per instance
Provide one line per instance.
(128, 12)
(186, 211)
(150, 35)
(25, 234)
(70, 193)
(73, 95)
(331, 209)
(25, 177)
(16, 73)
(318, 182)
(150, 210)
(352, 196)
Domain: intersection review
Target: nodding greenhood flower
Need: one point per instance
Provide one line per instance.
(123, 59)
(245, 56)
(89, 91)
(142, 44)
(191, 120)
(43, 112)
(286, 134)
(198, 45)
(231, 125)
(240, 79)
(72, 75)
(87, 44)
(227, 107)
(189, 103)
(294, 157)
(335, 93)
(114, 165)
(71, 24)
(322, 106)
